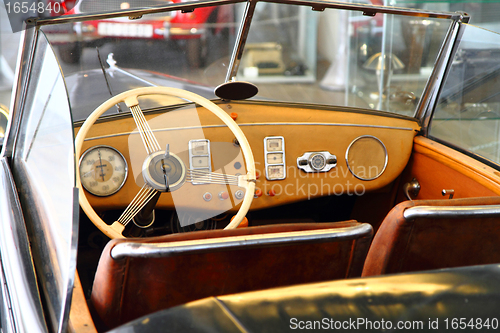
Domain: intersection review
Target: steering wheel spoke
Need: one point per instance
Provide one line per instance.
(203, 177)
(145, 194)
(147, 136)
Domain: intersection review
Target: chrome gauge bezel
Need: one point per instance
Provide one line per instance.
(304, 162)
(124, 162)
(350, 166)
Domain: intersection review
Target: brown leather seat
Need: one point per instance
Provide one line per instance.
(130, 287)
(424, 243)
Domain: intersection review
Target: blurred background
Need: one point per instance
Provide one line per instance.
(483, 13)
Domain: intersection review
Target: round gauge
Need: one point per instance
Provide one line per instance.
(103, 170)
(317, 161)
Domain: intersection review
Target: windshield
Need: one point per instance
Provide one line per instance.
(47, 192)
(292, 53)
(468, 111)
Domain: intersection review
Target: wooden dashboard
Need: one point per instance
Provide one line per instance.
(366, 151)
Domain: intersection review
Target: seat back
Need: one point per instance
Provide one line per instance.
(432, 234)
(140, 276)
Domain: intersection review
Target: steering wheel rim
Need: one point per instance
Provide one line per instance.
(130, 98)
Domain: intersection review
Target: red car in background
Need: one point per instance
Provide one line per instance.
(189, 27)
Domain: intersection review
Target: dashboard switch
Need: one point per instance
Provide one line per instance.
(274, 157)
(271, 193)
(258, 193)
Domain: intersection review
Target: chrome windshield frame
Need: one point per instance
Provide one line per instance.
(427, 104)
(20, 88)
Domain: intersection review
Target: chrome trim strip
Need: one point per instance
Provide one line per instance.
(21, 286)
(442, 212)
(252, 124)
(430, 94)
(187, 6)
(167, 249)
(241, 39)
(184, 6)
(347, 155)
(370, 9)
(20, 87)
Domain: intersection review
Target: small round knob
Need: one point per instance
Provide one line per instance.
(239, 194)
(234, 115)
(207, 196)
(223, 195)
(271, 193)
(258, 193)
(243, 223)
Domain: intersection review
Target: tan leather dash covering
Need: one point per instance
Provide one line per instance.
(311, 129)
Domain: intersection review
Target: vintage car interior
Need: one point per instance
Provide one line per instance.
(255, 171)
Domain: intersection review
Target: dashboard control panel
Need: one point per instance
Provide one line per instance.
(199, 158)
(274, 151)
(321, 161)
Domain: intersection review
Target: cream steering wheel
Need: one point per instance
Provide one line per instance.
(151, 145)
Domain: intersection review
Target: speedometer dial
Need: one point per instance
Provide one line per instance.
(103, 170)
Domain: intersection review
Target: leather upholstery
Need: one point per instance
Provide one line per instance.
(128, 288)
(402, 245)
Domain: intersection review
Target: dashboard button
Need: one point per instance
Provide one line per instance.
(275, 158)
(207, 196)
(239, 194)
(275, 172)
(274, 144)
(199, 162)
(223, 195)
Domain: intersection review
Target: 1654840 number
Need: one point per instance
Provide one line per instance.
(16, 7)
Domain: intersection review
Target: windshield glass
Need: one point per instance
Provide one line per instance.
(292, 53)
(47, 192)
(190, 51)
(340, 57)
(468, 112)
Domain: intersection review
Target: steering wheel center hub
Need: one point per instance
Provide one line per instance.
(164, 172)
